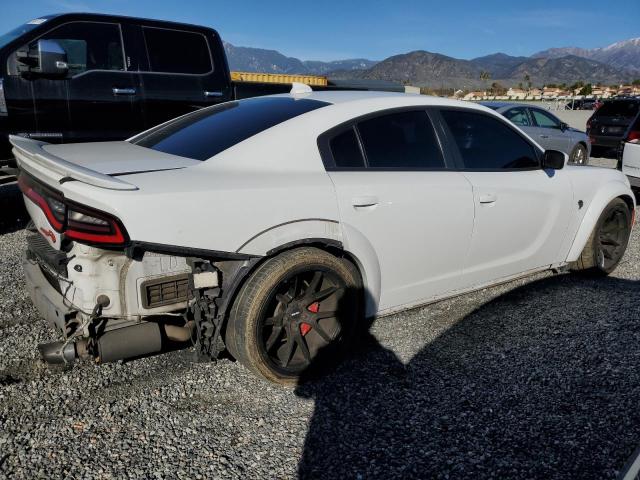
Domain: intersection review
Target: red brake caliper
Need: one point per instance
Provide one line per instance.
(305, 327)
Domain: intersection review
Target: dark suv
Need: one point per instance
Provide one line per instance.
(607, 126)
(84, 77)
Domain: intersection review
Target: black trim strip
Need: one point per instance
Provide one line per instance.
(282, 224)
(136, 250)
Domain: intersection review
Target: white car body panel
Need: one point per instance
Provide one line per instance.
(427, 213)
(631, 162)
(537, 201)
(272, 189)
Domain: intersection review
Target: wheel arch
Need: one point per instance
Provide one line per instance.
(606, 195)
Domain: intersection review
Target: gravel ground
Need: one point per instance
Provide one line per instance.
(538, 378)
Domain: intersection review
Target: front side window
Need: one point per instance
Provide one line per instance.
(204, 133)
(518, 116)
(401, 140)
(486, 143)
(175, 51)
(89, 46)
(544, 119)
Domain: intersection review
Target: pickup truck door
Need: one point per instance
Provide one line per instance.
(98, 98)
(402, 204)
(181, 71)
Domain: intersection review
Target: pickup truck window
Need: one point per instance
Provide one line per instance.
(204, 133)
(89, 46)
(176, 51)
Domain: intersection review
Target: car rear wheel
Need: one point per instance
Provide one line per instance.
(579, 155)
(608, 241)
(295, 314)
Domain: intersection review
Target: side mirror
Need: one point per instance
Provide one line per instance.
(554, 159)
(564, 126)
(48, 58)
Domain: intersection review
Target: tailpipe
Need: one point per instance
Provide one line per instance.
(62, 352)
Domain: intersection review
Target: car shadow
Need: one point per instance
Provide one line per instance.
(541, 382)
(13, 214)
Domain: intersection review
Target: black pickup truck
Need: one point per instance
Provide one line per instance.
(82, 77)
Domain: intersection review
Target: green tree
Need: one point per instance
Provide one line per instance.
(497, 89)
(586, 90)
(636, 82)
(485, 76)
(527, 80)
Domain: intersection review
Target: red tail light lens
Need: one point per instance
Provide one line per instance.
(633, 137)
(49, 201)
(89, 225)
(77, 222)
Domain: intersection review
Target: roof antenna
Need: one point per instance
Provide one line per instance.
(298, 88)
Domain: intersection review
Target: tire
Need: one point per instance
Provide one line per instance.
(579, 155)
(295, 314)
(608, 240)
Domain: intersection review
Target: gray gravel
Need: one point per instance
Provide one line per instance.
(538, 378)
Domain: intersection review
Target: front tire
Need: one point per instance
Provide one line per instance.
(579, 155)
(293, 315)
(608, 240)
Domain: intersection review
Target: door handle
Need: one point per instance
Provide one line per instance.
(212, 94)
(544, 136)
(123, 91)
(486, 198)
(364, 201)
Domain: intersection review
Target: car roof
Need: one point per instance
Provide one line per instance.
(389, 98)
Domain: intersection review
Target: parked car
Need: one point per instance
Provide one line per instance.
(630, 154)
(271, 226)
(547, 129)
(581, 104)
(607, 126)
(82, 77)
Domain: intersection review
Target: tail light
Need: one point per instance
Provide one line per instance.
(633, 136)
(77, 222)
(589, 123)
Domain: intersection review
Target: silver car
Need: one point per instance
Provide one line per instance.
(546, 129)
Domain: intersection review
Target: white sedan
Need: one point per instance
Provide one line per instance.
(273, 226)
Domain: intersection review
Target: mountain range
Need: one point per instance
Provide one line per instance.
(616, 63)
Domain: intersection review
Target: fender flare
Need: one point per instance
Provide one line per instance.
(607, 193)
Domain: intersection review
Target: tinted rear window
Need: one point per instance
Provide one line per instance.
(207, 132)
(619, 109)
(174, 51)
(346, 151)
(401, 140)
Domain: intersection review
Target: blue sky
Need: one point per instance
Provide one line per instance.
(330, 30)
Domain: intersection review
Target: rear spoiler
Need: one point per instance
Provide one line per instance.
(31, 153)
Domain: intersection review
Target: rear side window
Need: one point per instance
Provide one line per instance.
(202, 134)
(89, 46)
(486, 143)
(175, 51)
(518, 116)
(621, 108)
(346, 151)
(401, 140)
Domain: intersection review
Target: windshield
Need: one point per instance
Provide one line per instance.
(619, 109)
(207, 132)
(21, 30)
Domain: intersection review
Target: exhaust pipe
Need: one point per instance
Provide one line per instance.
(123, 343)
(58, 353)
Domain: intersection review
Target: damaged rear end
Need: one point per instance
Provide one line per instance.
(108, 297)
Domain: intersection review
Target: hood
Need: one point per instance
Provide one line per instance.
(117, 158)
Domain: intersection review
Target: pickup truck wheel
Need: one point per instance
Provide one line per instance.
(608, 240)
(579, 155)
(295, 314)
